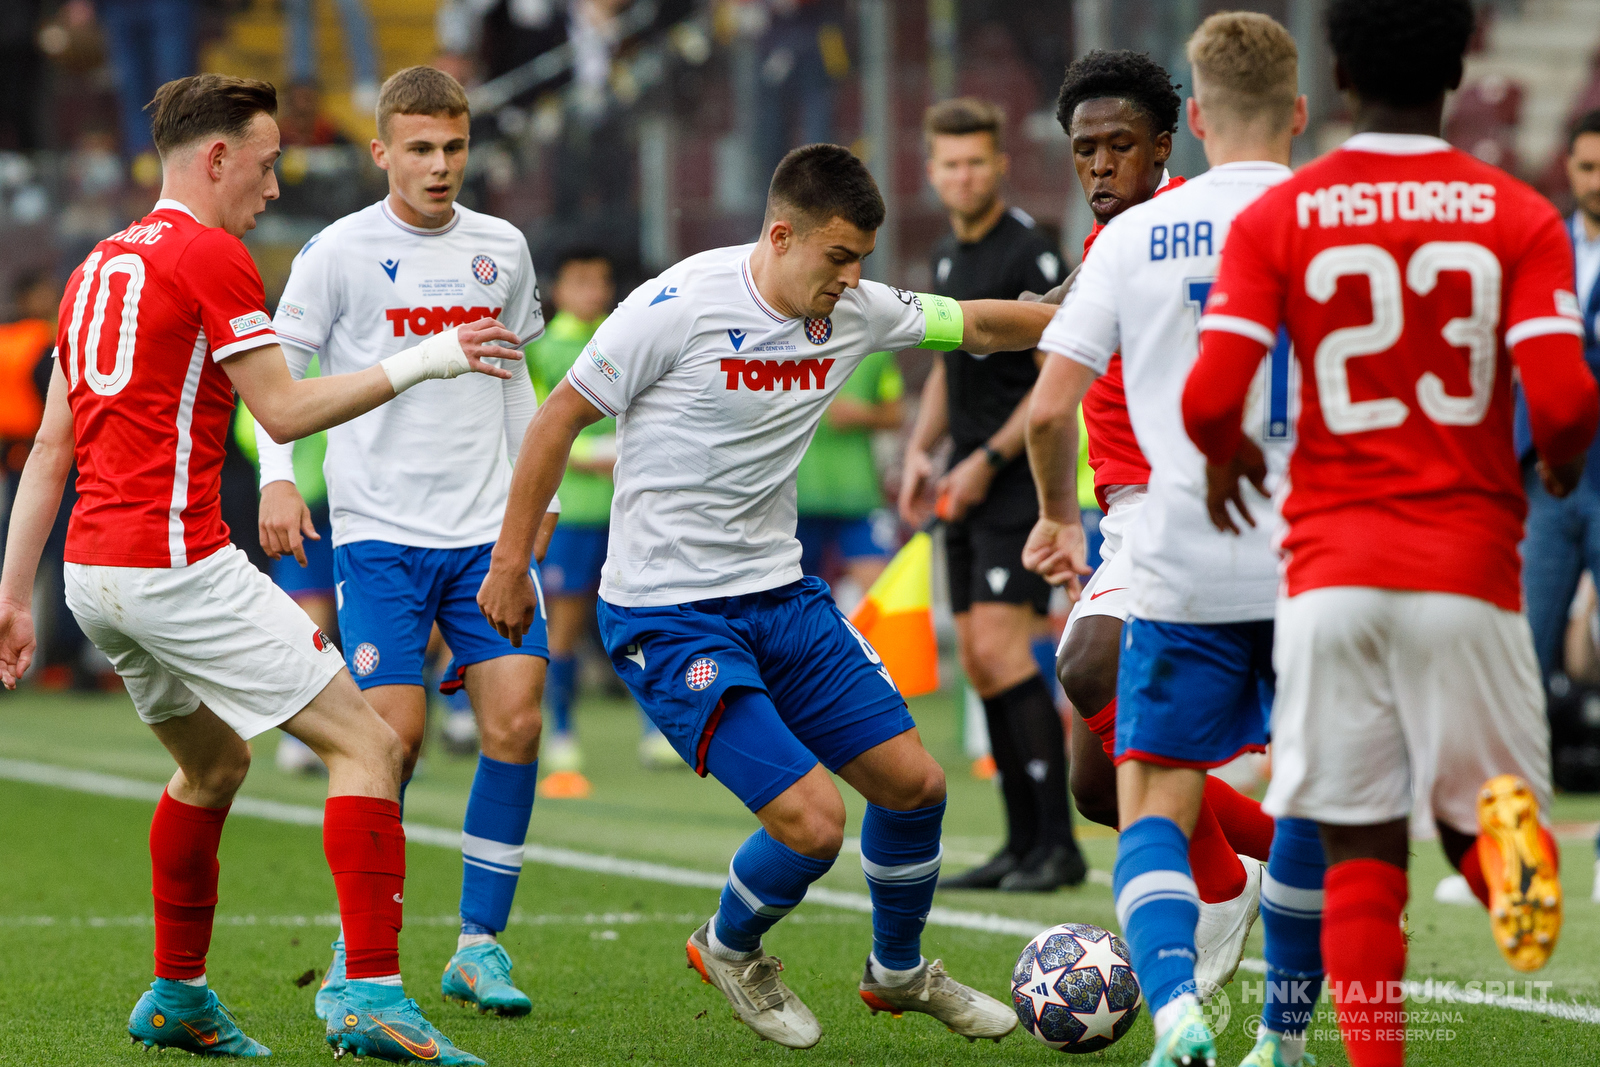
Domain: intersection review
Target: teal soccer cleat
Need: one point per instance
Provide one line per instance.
(1267, 1053)
(1187, 1043)
(479, 976)
(399, 1034)
(331, 992)
(209, 1030)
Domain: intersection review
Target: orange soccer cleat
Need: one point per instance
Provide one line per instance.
(1520, 867)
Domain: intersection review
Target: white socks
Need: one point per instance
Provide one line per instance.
(1168, 1015)
(1291, 1047)
(198, 983)
(468, 940)
(884, 976)
(723, 952)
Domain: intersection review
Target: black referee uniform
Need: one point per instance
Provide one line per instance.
(984, 555)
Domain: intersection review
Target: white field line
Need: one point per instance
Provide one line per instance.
(303, 815)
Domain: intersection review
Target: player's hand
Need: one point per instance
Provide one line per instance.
(1059, 553)
(17, 642)
(284, 522)
(1561, 481)
(964, 486)
(914, 487)
(509, 602)
(477, 342)
(1223, 488)
(541, 538)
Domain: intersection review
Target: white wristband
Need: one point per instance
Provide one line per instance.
(440, 356)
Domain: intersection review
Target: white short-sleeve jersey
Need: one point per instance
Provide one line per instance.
(716, 397)
(431, 468)
(1142, 293)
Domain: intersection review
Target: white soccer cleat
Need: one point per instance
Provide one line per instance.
(760, 999)
(1453, 889)
(962, 1009)
(294, 756)
(1220, 935)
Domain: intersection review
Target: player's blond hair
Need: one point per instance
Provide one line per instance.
(419, 91)
(1245, 68)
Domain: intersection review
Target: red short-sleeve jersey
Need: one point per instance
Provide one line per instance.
(144, 321)
(1114, 453)
(1404, 270)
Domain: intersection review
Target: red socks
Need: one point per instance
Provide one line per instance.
(183, 867)
(1218, 874)
(1364, 951)
(1248, 828)
(366, 851)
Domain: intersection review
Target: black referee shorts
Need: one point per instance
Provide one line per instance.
(985, 566)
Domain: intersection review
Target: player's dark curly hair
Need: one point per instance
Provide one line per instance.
(1130, 76)
(1401, 54)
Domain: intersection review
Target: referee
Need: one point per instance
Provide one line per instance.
(982, 402)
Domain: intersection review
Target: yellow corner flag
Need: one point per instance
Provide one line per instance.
(896, 616)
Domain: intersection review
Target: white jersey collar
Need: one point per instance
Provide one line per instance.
(455, 217)
(755, 294)
(168, 204)
(1396, 144)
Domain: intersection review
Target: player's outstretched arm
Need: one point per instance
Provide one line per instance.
(507, 597)
(1056, 548)
(1003, 325)
(33, 513)
(1563, 406)
(1213, 410)
(290, 409)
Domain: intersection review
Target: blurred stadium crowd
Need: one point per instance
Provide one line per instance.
(641, 131)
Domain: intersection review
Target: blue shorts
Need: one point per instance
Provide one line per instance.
(316, 577)
(390, 596)
(833, 697)
(863, 538)
(1191, 694)
(572, 565)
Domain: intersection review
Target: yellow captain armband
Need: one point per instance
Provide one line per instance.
(942, 320)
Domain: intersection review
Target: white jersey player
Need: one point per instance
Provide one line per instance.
(718, 373)
(416, 493)
(1195, 682)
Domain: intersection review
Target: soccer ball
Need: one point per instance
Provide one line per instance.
(1074, 989)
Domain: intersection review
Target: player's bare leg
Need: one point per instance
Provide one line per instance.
(505, 694)
(905, 791)
(179, 1010)
(1093, 776)
(1029, 748)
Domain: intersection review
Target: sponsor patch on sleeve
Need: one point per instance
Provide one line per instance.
(1567, 304)
(247, 324)
(605, 365)
(291, 311)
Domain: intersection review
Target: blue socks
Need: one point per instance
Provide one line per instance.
(1158, 908)
(560, 689)
(1044, 654)
(765, 881)
(179, 996)
(900, 854)
(491, 841)
(1291, 917)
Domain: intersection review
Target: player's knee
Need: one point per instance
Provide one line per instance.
(220, 779)
(513, 734)
(1087, 670)
(818, 834)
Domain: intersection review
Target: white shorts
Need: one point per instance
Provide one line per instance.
(1109, 589)
(216, 631)
(1393, 702)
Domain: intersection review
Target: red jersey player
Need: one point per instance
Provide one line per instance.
(1405, 272)
(159, 326)
(1120, 109)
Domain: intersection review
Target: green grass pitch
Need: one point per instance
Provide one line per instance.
(601, 956)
